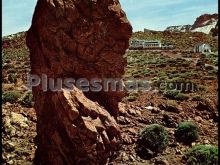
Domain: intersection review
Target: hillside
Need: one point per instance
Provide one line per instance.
(138, 110)
(181, 40)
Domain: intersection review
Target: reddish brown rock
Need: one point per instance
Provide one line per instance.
(77, 39)
(204, 19)
(74, 130)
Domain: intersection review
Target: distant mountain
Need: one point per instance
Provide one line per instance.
(206, 23)
(180, 28)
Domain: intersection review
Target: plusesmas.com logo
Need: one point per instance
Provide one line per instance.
(104, 84)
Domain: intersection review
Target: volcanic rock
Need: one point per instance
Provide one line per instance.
(77, 39)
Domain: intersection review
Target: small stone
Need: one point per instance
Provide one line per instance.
(11, 131)
(10, 162)
(171, 132)
(160, 161)
(173, 144)
(215, 116)
(132, 158)
(170, 108)
(4, 156)
(132, 131)
(178, 152)
(169, 121)
(125, 156)
(123, 120)
(7, 104)
(127, 139)
(9, 146)
(155, 110)
(20, 134)
(149, 108)
(193, 144)
(202, 106)
(122, 109)
(198, 119)
(134, 112)
(19, 120)
(206, 141)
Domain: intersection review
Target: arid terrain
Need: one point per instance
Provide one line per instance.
(138, 110)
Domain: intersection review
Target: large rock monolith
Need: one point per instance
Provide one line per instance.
(77, 39)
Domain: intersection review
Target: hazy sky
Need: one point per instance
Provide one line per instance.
(151, 14)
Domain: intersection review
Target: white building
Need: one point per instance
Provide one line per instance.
(168, 46)
(136, 44)
(152, 44)
(145, 44)
(202, 48)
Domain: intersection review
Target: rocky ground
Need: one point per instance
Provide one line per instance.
(137, 111)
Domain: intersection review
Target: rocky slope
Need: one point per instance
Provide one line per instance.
(204, 23)
(19, 122)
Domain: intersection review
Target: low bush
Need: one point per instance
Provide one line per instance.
(213, 72)
(12, 78)
(209, 77)
(7, 66)
(11, 71)
(11, 96)
(197, 98)
(187, 132)
(153, 138)
(27, 99)
(181, 97)
(171, 94)
(209, 67)
(201, 88)
(202, 155)
(132, 96)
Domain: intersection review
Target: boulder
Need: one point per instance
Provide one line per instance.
(74, 129)
(77, 39)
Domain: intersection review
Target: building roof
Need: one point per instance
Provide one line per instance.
(146, 40)
(200, 44)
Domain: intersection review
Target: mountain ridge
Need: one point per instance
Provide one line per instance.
(205, 23)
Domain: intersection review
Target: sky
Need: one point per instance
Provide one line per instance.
(150, 14)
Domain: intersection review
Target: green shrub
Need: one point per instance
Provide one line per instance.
(154, 138)
(200, 63)
(11, 71)
(184, 75)
(186, 132)
(213, 72)
(7, 66)
(12, 78)
(172, 103)
(146, 72)
(171, 94)
(153, 71)
(201, 88)
(209, 77)
(209, 67)
(27, 99)
(202, 155)
(197, 98)
(161, 74)
(132, 96)
(181, 97)
(11, 96)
